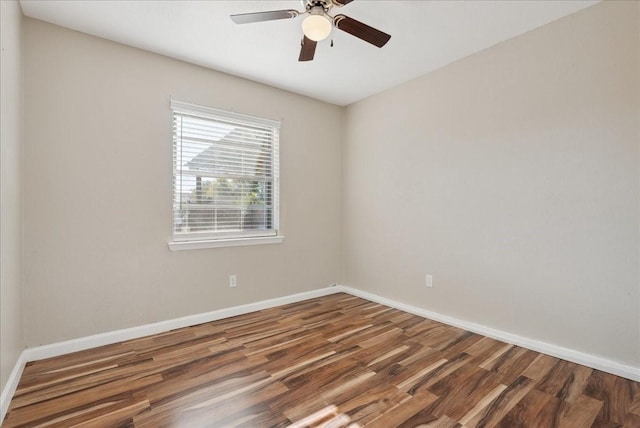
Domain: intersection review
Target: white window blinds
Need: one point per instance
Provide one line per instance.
(225, 174)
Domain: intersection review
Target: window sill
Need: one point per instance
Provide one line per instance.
(218, 243)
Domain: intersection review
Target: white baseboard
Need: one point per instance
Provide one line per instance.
(83, 343)
(11, 385)
(111, 337)
(599, 363)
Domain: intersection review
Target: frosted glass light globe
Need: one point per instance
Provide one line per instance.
(316, 27)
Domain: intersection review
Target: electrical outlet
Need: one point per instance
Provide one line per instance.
(429, 281)
(233, 281)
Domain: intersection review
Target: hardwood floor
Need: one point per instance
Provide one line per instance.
(335, 361)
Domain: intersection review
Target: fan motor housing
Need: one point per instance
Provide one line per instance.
(325, 4)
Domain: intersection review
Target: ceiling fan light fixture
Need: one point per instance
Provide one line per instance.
(318, 23)
(316, 26)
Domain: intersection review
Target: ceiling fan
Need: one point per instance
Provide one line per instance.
(317, 25)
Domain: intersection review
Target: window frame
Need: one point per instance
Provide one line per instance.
(213, 239)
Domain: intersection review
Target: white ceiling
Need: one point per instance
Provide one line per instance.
(426, 35)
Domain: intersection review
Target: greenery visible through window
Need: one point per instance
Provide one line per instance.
(225, 174)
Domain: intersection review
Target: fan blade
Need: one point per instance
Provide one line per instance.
(247, 18)
(308, 49)
(361, 31)
(341, 2)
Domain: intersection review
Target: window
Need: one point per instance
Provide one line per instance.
(225, 178)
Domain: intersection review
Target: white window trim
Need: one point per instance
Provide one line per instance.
(180, 245)
(219, 243)
(215, 114)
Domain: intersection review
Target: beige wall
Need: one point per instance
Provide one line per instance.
(511, 176)
(98, 190)
(11, 339)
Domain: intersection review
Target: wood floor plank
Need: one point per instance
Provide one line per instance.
(484, 347)
(525, 412)
(127, 406)
(540, 367)
(559, 413)
(635, 405)
(365, 407)
(333, 361)
(574, 385)
(502, 404)
(551, 412)
(631, 421)
(318, 383)
(554, 381)
(461, 344)
(440, 337)
(511, 364)
(110, 417)
(231, 410)
(67, 386)
(581, 413)
(259, 415)
(444, 422)
(403, 411)
(462, 390)
(617, 395)
(78, 400)
(420, 356)
(421, 419)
